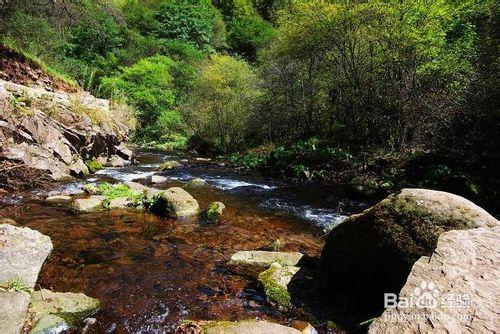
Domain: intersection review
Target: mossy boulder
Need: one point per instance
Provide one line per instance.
(275, 282)
(168, 165)
(196, 182)
(372, 253)
(214, 212)
(55, 309)
(237, 327)
(174, 202)
(94, 165)
(251, 263)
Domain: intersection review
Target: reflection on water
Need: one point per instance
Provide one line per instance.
(150, 273)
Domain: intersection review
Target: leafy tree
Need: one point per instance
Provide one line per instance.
(219, 107)
(148, 86)
(249, 34)
(191, 21)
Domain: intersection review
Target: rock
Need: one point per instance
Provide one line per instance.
(55, 308)
(158, 179)
(456, 289)
(116, 161)
(203, 159)
(175, 202)
(196, 182)
(91, 204)
(275, 281)
(90, 188)
(102, 160)
(264, 259)
(214, 212)
(78, 168)
(120, 203)
(49, 324)
(13, 308)
(275, 245)
(22, 254)
(245, 327)
(150, 193)
(171, 164)
(58, 199)
(135, 186)
(372, 252)
(123, 152)
(309, 329)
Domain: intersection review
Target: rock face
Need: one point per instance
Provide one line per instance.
(51, 131)
(456, 289)
(51, 310)
(373, 252)
(22, 254)
(175, 202)
(91, 204)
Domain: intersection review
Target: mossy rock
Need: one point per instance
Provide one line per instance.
(168, 165)
(372, 253)
(174, 202)
(275, 282)
(71, 307)
(214, 212)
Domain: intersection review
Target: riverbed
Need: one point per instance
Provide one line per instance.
(149, 272)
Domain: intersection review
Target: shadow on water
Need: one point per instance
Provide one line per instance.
(150, 273)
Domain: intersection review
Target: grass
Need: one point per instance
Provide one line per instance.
(15, 285)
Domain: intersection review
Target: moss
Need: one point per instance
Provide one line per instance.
(116, 191)
(213, 213)
(94, 165)
(275, 293)
(14, 285)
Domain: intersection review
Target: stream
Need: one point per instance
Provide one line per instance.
(150, 273)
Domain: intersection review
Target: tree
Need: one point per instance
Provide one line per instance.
(219, 107)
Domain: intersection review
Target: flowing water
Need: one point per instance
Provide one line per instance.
(149, 273)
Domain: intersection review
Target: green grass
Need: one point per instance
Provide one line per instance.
(14, 285)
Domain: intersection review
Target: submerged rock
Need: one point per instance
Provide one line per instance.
(275, 282)
(22, 254)
(171, 164)
(463, 267)
(174, 202)
(90, 204)
(264, 259)
(214, 212)
(58, 199)
(52, 310)
(372, 253)
(239, 327)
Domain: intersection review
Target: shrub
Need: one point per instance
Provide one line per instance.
(247, 35)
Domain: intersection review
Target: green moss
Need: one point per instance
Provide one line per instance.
(14, 285)
(116, 191)
(213, 212)
(94, 165)
(275, 293)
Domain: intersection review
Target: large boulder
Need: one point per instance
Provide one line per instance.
(252, 263)
(174, 202)
(22, 254)
(372, 253)
(51, 310)
(455, 290)
(168, 165)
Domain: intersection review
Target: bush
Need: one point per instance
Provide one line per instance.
(247, 35)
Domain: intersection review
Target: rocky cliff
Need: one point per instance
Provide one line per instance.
(50, 134)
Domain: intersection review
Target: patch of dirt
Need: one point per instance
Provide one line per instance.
(16, 68)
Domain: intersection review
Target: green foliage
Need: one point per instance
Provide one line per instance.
(191, 21)
(148, 86)
(94, 165)
(249, 34)
(118, 190)
(218, 109)
(15, 285)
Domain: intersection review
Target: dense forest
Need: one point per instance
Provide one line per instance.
(305, 87)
